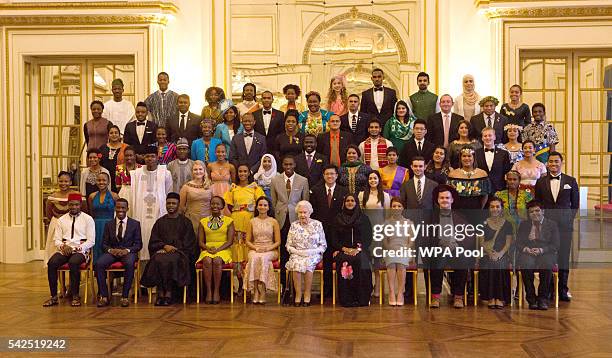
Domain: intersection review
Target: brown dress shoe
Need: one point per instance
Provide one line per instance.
(435, 302)
(125, 302)
(458, 302)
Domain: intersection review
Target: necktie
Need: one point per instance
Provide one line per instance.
(120, 231)
(72, 230)
(329, 197)
(335, 149)
(267, 112)
(419, 146)
(309, 159)
(446, 130)
(489, 123)
(354, 123)
(182, 124)
(419, 191)
(288, 187)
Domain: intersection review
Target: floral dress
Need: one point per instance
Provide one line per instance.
(123, 181)
(306, 245)
(397, 132)
(314, 123)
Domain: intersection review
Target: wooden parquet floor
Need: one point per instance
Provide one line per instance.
(582, 328)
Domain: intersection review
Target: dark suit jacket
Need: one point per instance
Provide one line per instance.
(191, 132)
(412, 209)
(435, 128)
(318, 199)
(361, 132)
(130, 137)
(369, 106)
(548, 240)
(239, 154)
(478, 124)
(501, 165)
(132, 238)
(324, 147)
(410, 151)
(564, 210)
(277, 125)
(314, 174)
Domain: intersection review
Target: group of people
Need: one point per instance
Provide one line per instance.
(258, 188)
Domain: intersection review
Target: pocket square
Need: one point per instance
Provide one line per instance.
(567, 186)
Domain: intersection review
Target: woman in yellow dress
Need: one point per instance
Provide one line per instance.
(240, 200)
(216, 235)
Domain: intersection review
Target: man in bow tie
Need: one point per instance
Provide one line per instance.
(248, 146)
(269, 122)
(560, 196)
(378, 101)
(141, 132)
(494, 161)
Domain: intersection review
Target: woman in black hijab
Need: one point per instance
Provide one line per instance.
(350, 238)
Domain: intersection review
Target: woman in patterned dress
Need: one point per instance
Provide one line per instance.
(166, 151)
(513, 146)
(354, 173)
(123, 180)
(314, 120)
(530, 168)
(306, 245)
(263, 240)
(393, 175)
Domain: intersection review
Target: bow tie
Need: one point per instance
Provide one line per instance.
(555, 178)
(138, 123)
(489, 150)
(267, 112)
(378, 89)
(248, 135)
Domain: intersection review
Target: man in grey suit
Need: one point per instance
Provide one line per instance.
(417, 196)
(287, 189)
(248, 146)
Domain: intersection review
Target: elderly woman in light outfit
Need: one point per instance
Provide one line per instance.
(305, 244)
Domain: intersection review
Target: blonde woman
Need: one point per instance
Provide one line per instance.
(196, 195)
(337, 96)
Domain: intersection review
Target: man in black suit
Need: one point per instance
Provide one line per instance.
(333, 143)
(269, 122)
(310, 163)
(121, 242)
(326, 199)
(248, 146)
(355, 121)
(378, 101)
(489, 118)
(184, 124)
(416, 196)
(494, 161)
(141, 132)
(537, 245)
(560, 197)
(417, 145)
(442, 127)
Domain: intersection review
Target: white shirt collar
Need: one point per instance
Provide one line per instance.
(290, 178)
(313, 153)
(330, 187)
(356, 113)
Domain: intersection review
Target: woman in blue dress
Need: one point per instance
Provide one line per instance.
(102, 204)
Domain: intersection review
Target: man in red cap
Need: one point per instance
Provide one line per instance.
(75, 235)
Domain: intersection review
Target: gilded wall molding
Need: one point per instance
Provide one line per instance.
(82, 20)
(549, 12)
(96, 5)
(351, 15)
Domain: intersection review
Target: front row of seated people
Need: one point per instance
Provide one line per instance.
(173, 251)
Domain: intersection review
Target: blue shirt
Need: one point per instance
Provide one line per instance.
(199, 150)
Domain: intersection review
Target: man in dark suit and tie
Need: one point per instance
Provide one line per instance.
(560, 198)
(310, 163)
(442, 127)
(248, 146)
(326, 199)
(355, 121)
(333, 143)
(379, 101)
(494, 161)
(184, 124)
(417, 145)
(269, 122)
(141, 132)
(537, 245)
(120, 243)
(489, 118)
(416, 196)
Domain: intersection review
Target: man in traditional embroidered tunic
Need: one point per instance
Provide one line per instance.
(374, 148)
(424, 103)
(150, 185)
(162, 104)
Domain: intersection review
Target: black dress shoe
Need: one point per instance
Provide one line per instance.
(305, 304)
(542, 306)
(159, 301)
(564, 298)
(167, 301)
(297, 304)
(533, 306)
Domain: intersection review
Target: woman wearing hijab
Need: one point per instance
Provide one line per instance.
(398, 128)
(350, 238)
(265, 173)
(466, 104)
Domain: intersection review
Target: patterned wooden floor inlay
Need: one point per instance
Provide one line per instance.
(578, 329)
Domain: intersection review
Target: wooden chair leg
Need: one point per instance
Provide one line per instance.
(150, 291)
(334, 283)
(108, 284)
(415, 277)
(322, 286)
(232, 288)
(184, 294)
(520, 289)
(429, 288)
(511, 280)
(197, 286)
(278, 292)
(476, 288)
(86, 285)
(556, 287)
